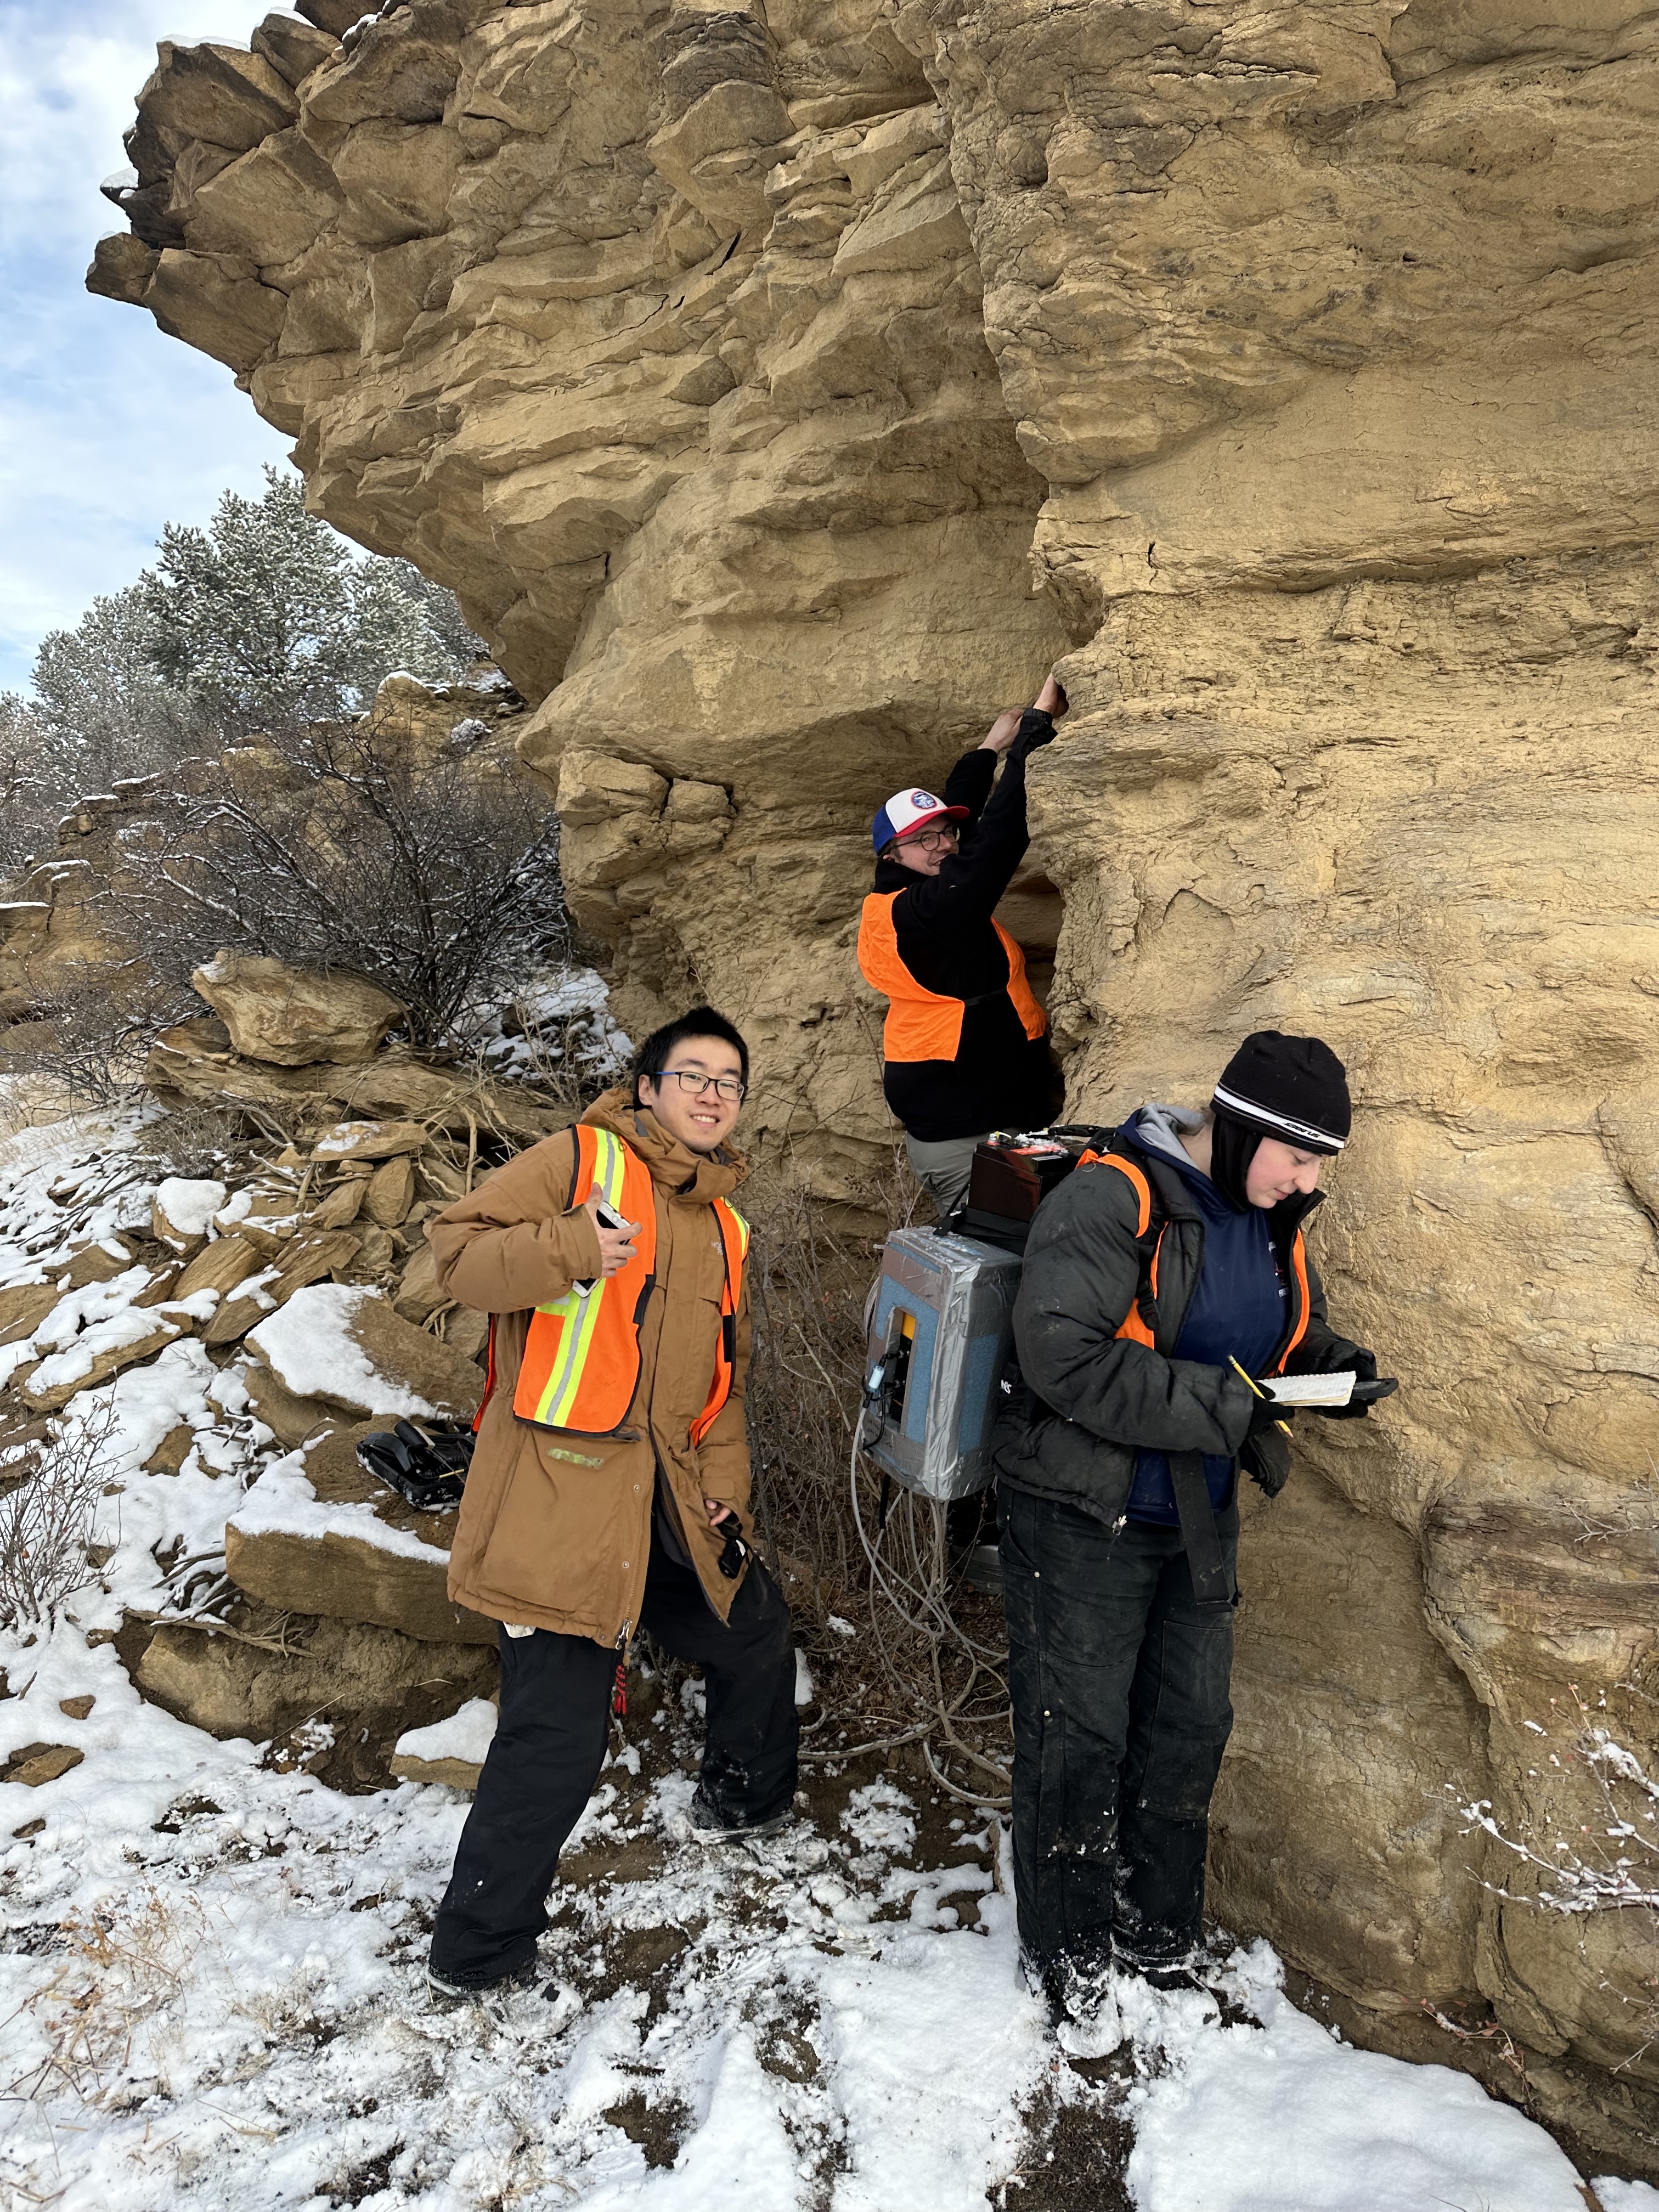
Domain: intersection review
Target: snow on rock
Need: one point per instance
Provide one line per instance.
(131, 1334)
(1282, 2116)
(185, 1208)
(466, 1736)
(451, 1751)
(306, 1346)
(339, 1559)
(315, 1348)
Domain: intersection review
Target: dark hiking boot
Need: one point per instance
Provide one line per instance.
(709, 1827)
(446, 1994)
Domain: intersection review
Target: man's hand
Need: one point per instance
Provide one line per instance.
(717, 1510)
(615, 1245)
(1050, 701)
(1002, 732)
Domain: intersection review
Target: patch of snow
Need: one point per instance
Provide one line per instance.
(880, 1817)
(1261, 2119)
(1626, 2196)
(307, 1345)
(345, 1137)
(465, 1736)
(131, 1326)
(188, 1206)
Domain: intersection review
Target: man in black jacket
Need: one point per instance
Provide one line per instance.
(965, 1047)
(1148, 1274)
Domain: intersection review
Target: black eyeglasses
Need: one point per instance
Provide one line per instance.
(726, 1087)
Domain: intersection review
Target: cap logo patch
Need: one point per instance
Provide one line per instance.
(923, 798)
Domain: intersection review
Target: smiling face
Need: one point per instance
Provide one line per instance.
(925, 851)
(1278, 1170)
(693, 1111)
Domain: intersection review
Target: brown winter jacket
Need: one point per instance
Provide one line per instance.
(555, 1528)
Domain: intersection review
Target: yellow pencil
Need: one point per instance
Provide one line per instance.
(1283, 1427)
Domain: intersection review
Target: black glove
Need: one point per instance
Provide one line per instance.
(1266, 1460)
(1364, 1364)
(1036, 728)
(1265, 1416)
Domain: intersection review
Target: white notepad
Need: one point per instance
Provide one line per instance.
(1309, 1390)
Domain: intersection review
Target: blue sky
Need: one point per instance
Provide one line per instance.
(108, 429)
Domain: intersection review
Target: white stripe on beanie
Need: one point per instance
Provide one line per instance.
(1270, 1118)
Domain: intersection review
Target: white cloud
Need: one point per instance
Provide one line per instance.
(108, 429)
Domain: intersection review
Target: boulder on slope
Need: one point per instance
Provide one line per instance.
(342, 1344)
(294, 1016)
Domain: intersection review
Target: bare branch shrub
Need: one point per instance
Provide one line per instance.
(86, 1033)
(356, 847)
(47, 1519)
(807, 1293)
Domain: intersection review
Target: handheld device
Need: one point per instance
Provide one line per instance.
(608, 1217)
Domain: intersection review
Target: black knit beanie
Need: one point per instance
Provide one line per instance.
(1292, 1088)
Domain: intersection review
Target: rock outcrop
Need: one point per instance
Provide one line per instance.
(741, 367)
(276, 1013)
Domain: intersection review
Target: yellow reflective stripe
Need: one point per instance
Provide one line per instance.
(559, 1398)
(610, 1167)
(581, 1316)
(743, 1228)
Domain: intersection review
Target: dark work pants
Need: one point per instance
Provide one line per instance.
(1119, 1679)
(549, 1746)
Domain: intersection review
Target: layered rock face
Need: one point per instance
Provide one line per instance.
(741, 367)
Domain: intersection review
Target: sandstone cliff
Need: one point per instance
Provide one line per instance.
(743, 368)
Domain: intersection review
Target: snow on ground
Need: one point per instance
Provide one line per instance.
(211, 1989)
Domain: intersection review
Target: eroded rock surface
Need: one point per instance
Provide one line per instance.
(733, 365)
(292, 1016)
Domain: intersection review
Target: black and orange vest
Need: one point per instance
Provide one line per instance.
(923, 1024)
(1139, 1322)
(581, 1357)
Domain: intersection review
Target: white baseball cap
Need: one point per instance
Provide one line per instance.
(907, 811)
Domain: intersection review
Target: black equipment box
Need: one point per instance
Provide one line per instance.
(1014, 1172)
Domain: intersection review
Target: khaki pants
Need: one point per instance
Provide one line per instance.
(943, 1170)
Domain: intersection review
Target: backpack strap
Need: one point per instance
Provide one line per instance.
(1150, 1222)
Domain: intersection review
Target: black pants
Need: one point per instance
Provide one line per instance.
(1119, 1678)
(549, 1746)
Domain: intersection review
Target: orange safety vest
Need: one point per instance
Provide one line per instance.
(1137, 1324)
(922, 1024)
(581, 1357)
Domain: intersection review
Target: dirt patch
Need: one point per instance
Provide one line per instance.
(1077, 2143)
(658, 2129)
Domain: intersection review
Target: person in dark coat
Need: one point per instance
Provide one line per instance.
(1149, 1273)
(965, 1047)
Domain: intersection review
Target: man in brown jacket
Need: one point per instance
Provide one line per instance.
(590, 1512)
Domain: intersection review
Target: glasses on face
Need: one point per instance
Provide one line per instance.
(726, 1088)
(931, 840)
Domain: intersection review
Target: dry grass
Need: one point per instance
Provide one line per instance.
(116, 1974)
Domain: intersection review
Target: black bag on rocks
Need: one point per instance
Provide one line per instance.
(424, 1461)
